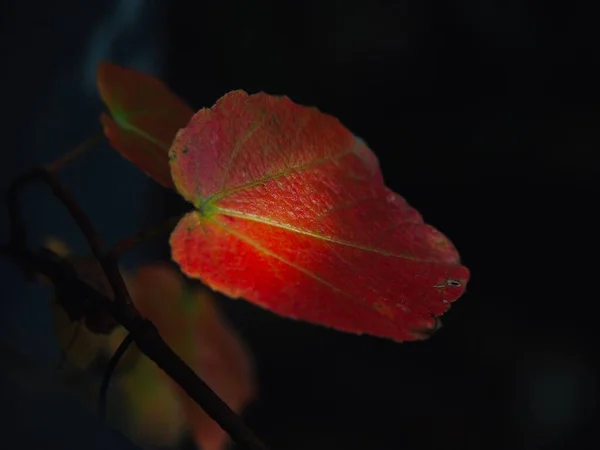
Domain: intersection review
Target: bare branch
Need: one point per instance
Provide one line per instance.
(112, 365)
(142, 331)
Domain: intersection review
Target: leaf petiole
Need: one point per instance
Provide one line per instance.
(76, 152)
(142, 236)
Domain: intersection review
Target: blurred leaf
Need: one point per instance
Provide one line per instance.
(143, 401)
(189, 321)
(81, 330)
(144, 118)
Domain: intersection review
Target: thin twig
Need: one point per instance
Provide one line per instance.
(75, 153)
(107, 261)
(143, 332)
(112, 365)
(65, 352)
(17, 226)
(132, 241)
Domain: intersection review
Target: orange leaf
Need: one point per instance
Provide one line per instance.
(292, 214)
(145, 116)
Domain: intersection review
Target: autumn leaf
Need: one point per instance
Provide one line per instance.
(144, 402)
(191, 324)
(143, 406)
(226, 368)
(144, 118)
(82, 336)
(292, 213)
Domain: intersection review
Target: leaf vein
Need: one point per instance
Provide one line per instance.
(284, 226)
(315, 163)
(301, 269)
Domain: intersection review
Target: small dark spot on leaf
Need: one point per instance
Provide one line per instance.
(185, 150)
(446, 283)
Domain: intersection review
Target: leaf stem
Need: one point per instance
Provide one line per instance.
(142, 236)
(76, 152)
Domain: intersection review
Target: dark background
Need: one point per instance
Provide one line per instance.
(485, 116)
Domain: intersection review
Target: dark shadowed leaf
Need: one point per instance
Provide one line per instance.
(144, 118)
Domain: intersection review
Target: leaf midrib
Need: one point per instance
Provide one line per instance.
(287, 227)
(301, 269)
(314, 163)
(123, 117)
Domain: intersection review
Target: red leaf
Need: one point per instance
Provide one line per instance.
(293, 215)
(146, 115)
